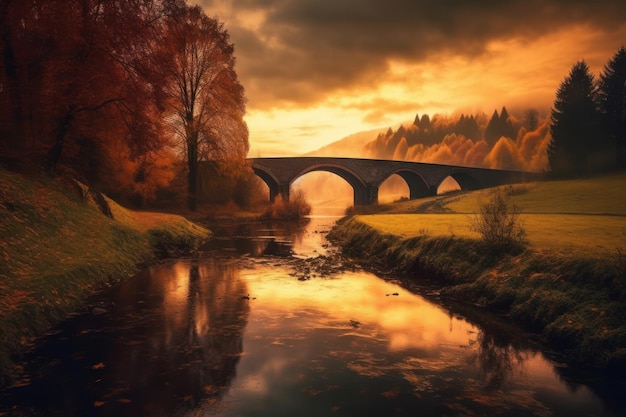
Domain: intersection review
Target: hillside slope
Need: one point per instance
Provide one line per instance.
(352, 146)
(57, 247)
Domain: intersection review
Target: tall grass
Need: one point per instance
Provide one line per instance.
(293, 209)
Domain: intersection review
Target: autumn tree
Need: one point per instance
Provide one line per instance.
(612, 95)
(207, 99)
(575, 123)
(84, 85)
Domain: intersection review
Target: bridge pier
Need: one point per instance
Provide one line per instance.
(281, 190)
(372, 194)
(365, 195)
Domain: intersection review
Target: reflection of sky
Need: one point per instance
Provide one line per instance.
(348, 346)
(312, 240)
(404, 320)
(215, 338)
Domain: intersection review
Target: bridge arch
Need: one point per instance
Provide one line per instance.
(418, 186)
(466, 181)
(361, 190)
(272, 182)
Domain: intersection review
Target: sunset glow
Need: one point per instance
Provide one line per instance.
(313, 208)
(315, 72)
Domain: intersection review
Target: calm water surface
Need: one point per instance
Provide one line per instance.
(258, 335)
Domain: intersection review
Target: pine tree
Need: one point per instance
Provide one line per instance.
(425, 122)
(612, 94)
(416, 122)
(492, 133)
(575, 124)
(505, 125)
(468, 127)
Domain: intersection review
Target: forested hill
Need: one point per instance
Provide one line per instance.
(504, 141)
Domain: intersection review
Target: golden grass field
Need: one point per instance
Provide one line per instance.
(585, 217)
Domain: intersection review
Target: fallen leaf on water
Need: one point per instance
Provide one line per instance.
(392, 393)
(210, 389)
(100, 365)
(21, 383)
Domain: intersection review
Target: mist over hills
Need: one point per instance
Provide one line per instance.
(352, 146)
(502, 141)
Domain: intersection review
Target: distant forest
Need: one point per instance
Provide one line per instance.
(584, 133)
(500, 141)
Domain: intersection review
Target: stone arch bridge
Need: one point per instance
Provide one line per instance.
(366, 175)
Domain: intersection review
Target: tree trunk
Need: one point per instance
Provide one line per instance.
(54, 154)
(13, 81)
(192, 175)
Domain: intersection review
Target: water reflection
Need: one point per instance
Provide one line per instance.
(159, 344)
(358, 345)
(258, 239)
(225, 336)
(498, 360)
(305, 238)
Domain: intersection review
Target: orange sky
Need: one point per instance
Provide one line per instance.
(318, 70)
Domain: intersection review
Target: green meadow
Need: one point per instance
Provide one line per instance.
(567, 282)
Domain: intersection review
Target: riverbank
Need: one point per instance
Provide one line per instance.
(59, 243)
(568, 284)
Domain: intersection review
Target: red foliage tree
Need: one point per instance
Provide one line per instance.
(207, 100)
(96, 85)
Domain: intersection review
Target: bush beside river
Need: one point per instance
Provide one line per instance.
(570, 289)
(59, 243)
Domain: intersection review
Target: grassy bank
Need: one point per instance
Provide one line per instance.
(568, 283)
(57, 247)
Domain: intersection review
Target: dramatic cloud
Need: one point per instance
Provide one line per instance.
(421, 55)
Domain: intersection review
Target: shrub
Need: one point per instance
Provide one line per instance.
(498, 222)
(295, 208)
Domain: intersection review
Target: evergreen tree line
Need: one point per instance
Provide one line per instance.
(428, 132)
(588, 123)
(129, 96)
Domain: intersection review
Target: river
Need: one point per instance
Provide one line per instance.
(268, 322)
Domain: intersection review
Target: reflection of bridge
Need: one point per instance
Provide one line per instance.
(366, 175)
